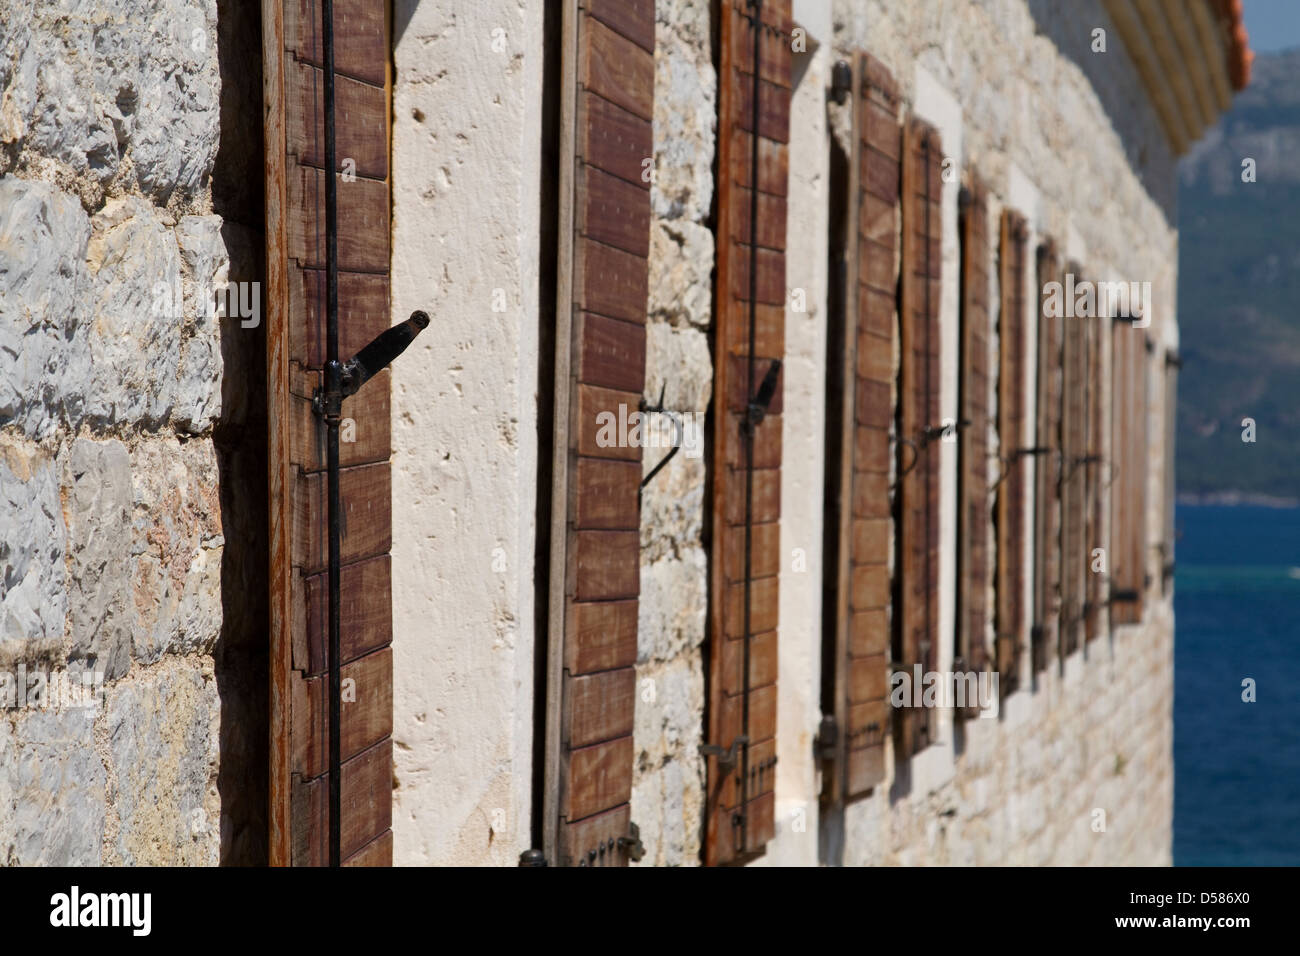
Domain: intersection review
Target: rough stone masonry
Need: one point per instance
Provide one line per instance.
(110, 395)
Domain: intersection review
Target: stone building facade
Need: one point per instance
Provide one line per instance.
(133, 424)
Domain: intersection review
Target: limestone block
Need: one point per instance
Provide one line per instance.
(681, 276)
(679, 366)
(96, 82)
(52, 785)
(176, 546)
(162, 733)
(685, 116)
(44, 306)
(97, 507)
(207, 269)
(33, 603)
(673, 606)
(138, 307)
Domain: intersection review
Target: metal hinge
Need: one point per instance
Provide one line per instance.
(828, 737)
(631, 843)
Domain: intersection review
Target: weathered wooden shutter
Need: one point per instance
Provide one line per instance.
(1011, 519)
(973, 518)
(1047, 481)
(1074, 436)
(862, 649)
(1172, 365)
(606, 137)
(295, 314)
(920, 429)
(1094, 589)
(750, 307)
(1129, 470)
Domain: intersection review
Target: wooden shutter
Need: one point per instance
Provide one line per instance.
(920, 429)
(973, 518)
(1047, 481)
(862, 648)
(1074, 436)
(1172, 365)
(606, 134)
(295, 314)
(1128, 487)
(1011, 519)
(1094, 472)
(750, 306)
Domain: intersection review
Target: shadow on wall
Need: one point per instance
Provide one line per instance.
(1069, 25)
(242, 654)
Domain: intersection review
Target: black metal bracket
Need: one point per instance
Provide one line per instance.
(1015, 456)
(928, 435)
(756, 411)
(841, 81)
(1076, 463)
(726, 758)
(631, 843)
(916, 456)
(347, 377)
(679, 433)
(932, 432)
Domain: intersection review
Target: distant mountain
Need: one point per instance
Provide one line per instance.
(1239, 293)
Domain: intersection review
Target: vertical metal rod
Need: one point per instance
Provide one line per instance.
(333, 405)
(749, 425)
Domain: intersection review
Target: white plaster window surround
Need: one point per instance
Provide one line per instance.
(934, 103)
(1024, 197)
(803, 425)
(467, 189)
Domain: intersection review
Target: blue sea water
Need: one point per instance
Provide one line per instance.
(1237, 765)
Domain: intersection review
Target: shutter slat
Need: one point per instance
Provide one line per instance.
(742, 235)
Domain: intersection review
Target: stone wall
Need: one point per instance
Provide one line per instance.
(668, 775)
(112, 539)
(1043, 126)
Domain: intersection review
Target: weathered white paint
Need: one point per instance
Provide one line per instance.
(466, 195)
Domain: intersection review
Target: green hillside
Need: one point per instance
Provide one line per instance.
(1239, 294)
